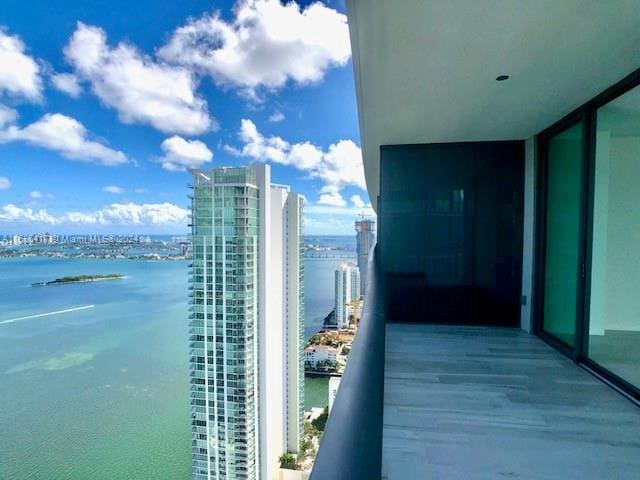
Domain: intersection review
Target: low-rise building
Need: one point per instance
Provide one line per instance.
(319, 356)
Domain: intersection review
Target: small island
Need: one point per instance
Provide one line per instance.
(81, 279)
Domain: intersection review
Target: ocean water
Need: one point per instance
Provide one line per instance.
(100, 390)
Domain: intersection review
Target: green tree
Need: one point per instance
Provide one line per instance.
(309, 429)
(288, 462)
(305, 447)
(321, 421)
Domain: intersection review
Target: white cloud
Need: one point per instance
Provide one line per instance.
(180, 154)
(140, 190)
(338, 166)
(303, 156)
(142, 214)
(261, 148)
(327, 225)
(67, 83)
(342, 165)
(116, 214)
(8, 116)
(335, 219)
(140, 89)
(276, 117)
(38, 195)
(19, 73)
(113, 189)
(326, 220)
(357, 201)
(346, 211)
(330, 195)
(265, 45)
(65, 135)
(5, 184)
(11, 213)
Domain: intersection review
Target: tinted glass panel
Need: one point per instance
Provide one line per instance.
(450, 232)
(562, 234)
(614, 325)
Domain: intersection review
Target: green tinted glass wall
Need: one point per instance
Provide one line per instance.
(562, 233)
(450, 232)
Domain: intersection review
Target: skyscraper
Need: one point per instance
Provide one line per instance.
(246, 335)
(347, 289)
(364, 242)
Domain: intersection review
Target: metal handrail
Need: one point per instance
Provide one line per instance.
(351, 447)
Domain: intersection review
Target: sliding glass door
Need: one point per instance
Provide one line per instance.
(562, 253)
(614, 303)
(588, 264)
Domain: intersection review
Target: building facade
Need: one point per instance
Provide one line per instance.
(365, 238)
(320, 354)
(245, 323)
(334, 384)
(347, 289)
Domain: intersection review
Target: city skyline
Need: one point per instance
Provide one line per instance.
(99, 117)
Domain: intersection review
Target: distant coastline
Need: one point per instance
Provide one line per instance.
(80, 279)
(88, 255)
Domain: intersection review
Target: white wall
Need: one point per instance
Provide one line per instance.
(615, 297)
(599, 251)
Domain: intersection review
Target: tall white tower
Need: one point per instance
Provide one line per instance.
(245, 323)
(347, 289)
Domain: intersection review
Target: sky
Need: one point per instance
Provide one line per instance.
(104, 104)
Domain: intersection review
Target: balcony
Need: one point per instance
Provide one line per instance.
(467, 402)
(487, 403)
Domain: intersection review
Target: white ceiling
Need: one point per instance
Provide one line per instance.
(425, 70)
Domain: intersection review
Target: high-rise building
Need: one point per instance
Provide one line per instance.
(354, 281)
(246, 318)
(347, 289)
(364, 242)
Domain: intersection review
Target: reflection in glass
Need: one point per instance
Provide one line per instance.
(614, 325)
(562, 234)
(450, 232)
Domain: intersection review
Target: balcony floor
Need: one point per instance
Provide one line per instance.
(488, 403)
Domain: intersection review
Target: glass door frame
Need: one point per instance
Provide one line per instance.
(543, 140)
(587, 115)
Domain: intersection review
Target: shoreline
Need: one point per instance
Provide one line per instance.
(79, 279)
(313, 374)
(147, 257)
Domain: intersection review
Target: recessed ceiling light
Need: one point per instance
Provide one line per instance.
(502, 78)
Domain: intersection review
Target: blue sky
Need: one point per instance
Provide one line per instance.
(104, 104)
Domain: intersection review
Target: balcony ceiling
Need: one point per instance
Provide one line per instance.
(426, 70)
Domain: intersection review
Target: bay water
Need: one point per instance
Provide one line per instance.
(94, 379)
